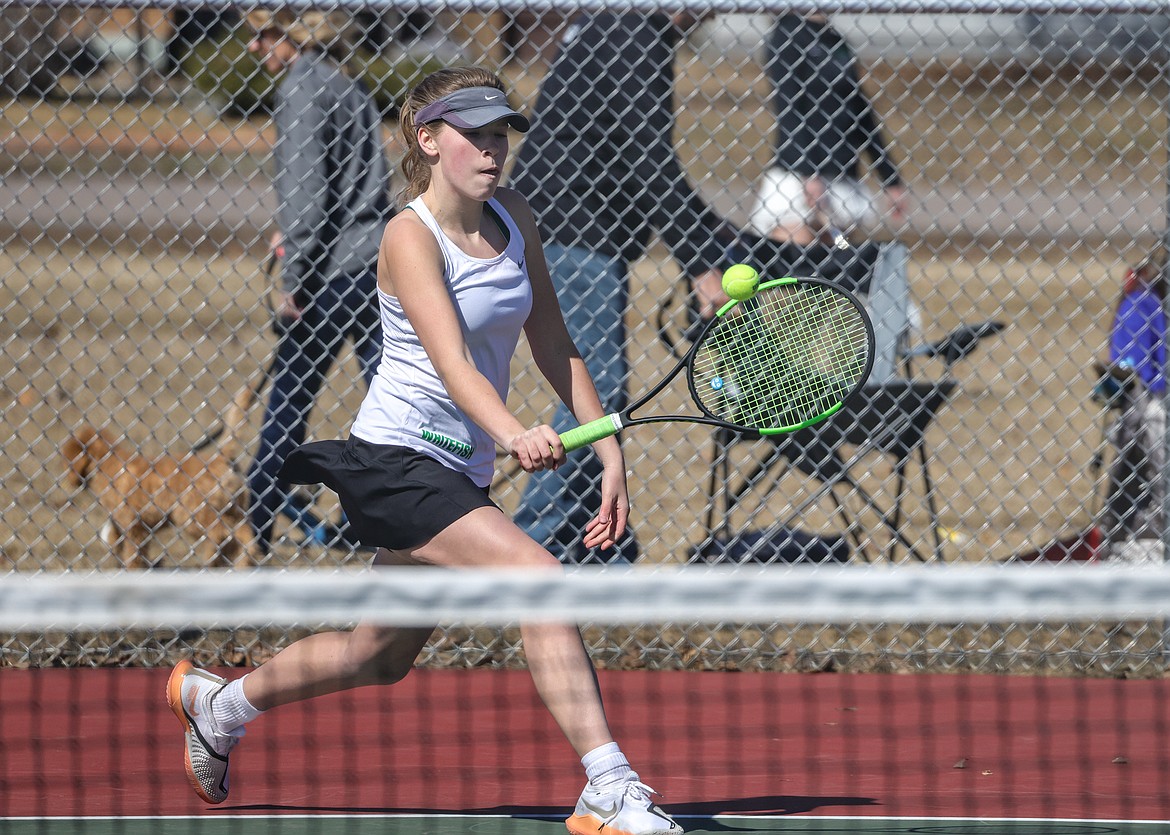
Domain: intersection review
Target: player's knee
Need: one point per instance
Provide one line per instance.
(378, 660)
(377, 669)
(386, 669)
(535, 556)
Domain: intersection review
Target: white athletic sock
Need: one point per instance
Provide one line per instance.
(230, 709)
(606, 765)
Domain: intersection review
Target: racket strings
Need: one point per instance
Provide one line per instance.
(782, 359)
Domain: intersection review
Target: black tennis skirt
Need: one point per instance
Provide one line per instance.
(394, 497)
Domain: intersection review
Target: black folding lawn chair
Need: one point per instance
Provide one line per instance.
(890, 416)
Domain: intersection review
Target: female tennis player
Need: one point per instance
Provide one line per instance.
(461, 272)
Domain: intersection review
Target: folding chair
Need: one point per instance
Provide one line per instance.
(890, 416)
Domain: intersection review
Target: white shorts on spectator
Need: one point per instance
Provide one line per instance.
(781, 202)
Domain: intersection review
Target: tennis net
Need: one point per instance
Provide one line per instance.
(1022, 699)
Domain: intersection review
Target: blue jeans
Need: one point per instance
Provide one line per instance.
(593, 290)
(345, 308)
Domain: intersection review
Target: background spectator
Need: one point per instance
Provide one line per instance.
(332, 186)
(1135, 384)
(825, 124)
(601, 173)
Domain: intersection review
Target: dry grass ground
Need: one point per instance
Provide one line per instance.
(155, 341)
(1009, 453)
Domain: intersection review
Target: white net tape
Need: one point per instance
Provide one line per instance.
(416, 596)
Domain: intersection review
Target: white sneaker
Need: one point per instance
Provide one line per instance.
(189, 694)
(620, 809)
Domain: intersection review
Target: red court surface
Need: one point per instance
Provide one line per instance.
(103, 742)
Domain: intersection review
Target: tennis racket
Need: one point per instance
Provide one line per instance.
(786, 358)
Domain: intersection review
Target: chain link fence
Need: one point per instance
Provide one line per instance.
(138, 213)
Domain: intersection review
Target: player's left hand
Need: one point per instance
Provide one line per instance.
(606, 528)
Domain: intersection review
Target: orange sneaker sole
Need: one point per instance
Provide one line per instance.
(175, 701)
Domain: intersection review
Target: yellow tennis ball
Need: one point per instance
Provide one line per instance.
(741, 282)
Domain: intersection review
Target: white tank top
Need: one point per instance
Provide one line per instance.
(407, 404)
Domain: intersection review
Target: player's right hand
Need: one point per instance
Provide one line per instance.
(538, 448)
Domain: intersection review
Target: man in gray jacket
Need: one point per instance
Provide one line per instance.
(332, 186)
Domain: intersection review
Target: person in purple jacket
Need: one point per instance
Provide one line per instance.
(1138, 337)
(1135, 383)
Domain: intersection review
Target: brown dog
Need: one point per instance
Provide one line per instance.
(200, 492)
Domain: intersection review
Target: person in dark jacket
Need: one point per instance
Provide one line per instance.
(825, 127)
(599, 169)
(332, 184)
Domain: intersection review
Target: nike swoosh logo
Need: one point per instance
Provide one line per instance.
(191, 710)
(599, 811)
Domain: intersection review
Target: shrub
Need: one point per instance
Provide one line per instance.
(226, 72)
(389, 80)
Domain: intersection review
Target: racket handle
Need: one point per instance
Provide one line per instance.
(590, 432)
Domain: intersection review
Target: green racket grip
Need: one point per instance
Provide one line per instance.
(594, 430)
